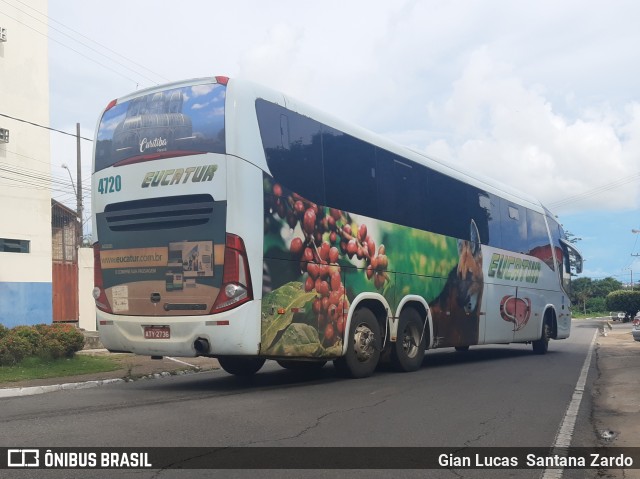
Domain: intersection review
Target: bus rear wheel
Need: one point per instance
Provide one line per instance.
(363, 347)
(241, 366)
(408, 350)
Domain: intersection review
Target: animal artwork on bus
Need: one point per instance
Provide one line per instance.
(455, 312)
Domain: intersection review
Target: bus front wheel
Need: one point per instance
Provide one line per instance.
(363, 347)
(241, 366)
(541, 346)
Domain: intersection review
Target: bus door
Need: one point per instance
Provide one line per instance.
(497, 301)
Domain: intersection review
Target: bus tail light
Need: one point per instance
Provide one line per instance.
(102, 303)
(236, 279)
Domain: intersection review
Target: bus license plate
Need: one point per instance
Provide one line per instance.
(157, 332)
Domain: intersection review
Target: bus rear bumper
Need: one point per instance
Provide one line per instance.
(234, 332)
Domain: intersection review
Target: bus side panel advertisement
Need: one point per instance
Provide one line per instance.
(318, 259)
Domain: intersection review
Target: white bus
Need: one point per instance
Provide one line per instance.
(237, 223)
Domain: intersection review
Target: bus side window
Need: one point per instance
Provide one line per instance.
(538, 238)
(294, 156)
(349, 173)
(401, 190)
(448, 209)
(513, 227)
(485, 211)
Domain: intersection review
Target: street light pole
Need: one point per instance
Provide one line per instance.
(79, 180)
(634, 231)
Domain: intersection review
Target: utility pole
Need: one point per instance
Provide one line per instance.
(79, 189)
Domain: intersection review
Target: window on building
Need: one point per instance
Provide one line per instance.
(14, 245)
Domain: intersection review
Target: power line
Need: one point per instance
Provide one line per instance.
(81, 43)
(38, 178)
(87, 38)
(43, 126)
(73, 49)
(596, 191)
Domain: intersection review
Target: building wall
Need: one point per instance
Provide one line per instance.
(25, 209)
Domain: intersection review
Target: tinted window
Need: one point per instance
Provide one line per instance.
(556, 233)
(401, 190)
(293, 148)
(538, 238)
(485, 211)
(448, 208)
(513, 227)
(349, 173)
(536, 230)
(162, 123)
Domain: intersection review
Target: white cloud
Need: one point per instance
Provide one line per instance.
(509, 130)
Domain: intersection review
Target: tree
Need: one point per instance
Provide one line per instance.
(624, 300)
(571, 238)
(602, 287)
(581, 291)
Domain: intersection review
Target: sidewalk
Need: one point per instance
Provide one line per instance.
(616, 392)
(132, 368)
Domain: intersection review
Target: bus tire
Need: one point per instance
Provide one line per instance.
(407, 352)
(541, 346)
(363, 348)
(241, 366)
(301, 365)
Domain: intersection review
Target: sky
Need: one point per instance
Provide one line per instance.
(542, 96)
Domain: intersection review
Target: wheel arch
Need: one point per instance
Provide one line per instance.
(422, 307)
(550, 316)
(377, 304)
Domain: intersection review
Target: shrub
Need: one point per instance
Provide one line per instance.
(3, 331)
(13, 349)
(32, 335)
(49, 341)
(624, 300)
(60, 340)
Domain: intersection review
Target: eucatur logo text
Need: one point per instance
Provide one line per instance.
(179, 175)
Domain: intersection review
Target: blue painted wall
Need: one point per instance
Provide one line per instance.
(25, 304)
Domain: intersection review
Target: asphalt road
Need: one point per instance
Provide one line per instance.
(489, 396)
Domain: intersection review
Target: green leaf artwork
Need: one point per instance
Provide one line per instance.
(287, 297)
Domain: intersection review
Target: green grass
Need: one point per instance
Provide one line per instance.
(37, 368)
(578, 315)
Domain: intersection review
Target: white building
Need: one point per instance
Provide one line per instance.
(25, 197)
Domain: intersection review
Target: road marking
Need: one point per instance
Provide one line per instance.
(565, 433)
(182, 362)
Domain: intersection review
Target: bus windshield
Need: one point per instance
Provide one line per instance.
(169, 123)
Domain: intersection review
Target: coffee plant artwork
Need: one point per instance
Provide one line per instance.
(316, 258)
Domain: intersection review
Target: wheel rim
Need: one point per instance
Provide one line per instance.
(410, 340)
(363, 342)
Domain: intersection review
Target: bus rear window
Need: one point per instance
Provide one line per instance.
(181, 121)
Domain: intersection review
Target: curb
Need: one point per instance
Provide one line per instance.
(33, 390)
